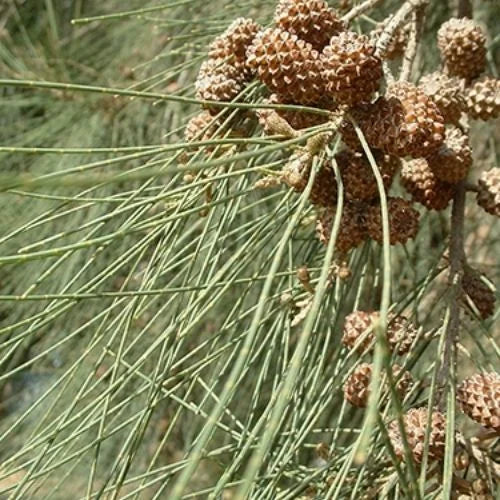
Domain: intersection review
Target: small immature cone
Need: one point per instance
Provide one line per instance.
(356, 387)
(488, 196)
(415, 425)
(351, 69)
(479, 398)
(403, 221)
(311, 20)
(401, 333)
(452, 161)
(478, 292)
(420, 180)
(288, 66)
(448, 94)
(483, 99)
(462, 44)
(352, 231)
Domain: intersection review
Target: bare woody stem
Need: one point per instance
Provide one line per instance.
(360, 9)
(457, 261)
(396, 21)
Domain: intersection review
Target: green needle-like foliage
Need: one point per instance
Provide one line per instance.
(155, 340)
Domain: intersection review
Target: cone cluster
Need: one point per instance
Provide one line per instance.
(358, 331)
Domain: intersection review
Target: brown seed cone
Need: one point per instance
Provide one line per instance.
(401, 333)
(488, 196)
(406, 122)
(478, 292)
(452, 161)
(231, 46)
(352, 231)
(296, 175)
(421, 182)
(415, 425)
(299, 119)
(447, 92)
(356, 387)
(287, 65)
(403, 221)
(351, 70)
(310, 20)
(361, 114)
(483, 99)
(219, 82)
(324, 189)
(462, 44)
(357, 174)
(202, 127)
(479, 398)
(397, 44)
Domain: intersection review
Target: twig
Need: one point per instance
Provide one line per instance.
(464, 8)
(406, 9)
(360, 9)
(411, 49)
(457, 261)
